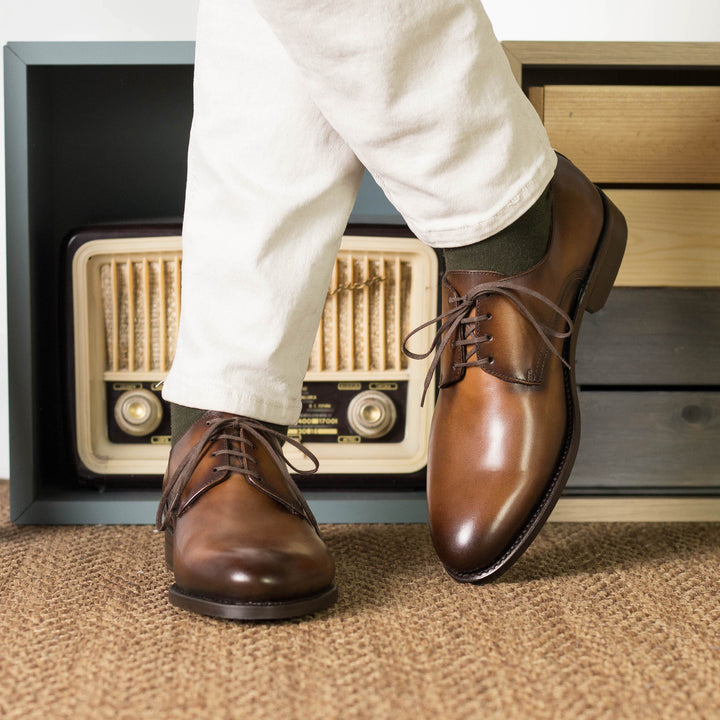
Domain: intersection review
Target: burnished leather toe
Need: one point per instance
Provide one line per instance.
(473, 535)
(224, 559)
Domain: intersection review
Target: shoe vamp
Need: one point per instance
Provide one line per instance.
(495, 448)
(237, 542)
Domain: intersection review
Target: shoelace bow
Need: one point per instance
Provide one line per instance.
(460, 316)
(227, 429)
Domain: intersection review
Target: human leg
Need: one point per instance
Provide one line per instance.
(425, 98)
(270, 188)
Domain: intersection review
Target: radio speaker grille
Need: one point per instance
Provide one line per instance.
(365, 318)
(141, 310)
(366, 314)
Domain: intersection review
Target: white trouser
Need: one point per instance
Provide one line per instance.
(292, 99)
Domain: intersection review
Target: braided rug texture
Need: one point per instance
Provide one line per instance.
(597, 620)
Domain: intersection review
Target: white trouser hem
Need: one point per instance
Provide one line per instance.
(517, 204)
(256, 405)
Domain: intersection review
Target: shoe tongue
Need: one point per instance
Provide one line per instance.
(277, 484)
(516, 349)
(275, 481)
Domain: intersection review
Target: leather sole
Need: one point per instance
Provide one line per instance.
(236, 610)
(592, 297)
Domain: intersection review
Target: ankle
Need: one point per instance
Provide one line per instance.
(182, 418)
(514, 249)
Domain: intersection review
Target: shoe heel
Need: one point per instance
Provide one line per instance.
(169, 550)
(611, 250)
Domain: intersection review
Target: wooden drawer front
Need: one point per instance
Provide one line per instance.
(674, 237)
(645, 440)
(652, 336)
(636, 134)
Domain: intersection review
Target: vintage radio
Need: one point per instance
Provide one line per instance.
(361, 397)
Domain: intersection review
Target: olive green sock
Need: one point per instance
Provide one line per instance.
(181, 418)
(516, 248)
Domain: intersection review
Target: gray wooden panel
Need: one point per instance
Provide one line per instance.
(643, 440)
(22, 397)
(137, 507)
(652, 336)
(105, 53)
(371, 205)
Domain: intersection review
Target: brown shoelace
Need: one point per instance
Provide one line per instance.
(460, 317)
(226, 429)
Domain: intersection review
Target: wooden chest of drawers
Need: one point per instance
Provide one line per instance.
(642, 120)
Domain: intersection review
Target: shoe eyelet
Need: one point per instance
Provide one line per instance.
(489, 338)
(491, 361)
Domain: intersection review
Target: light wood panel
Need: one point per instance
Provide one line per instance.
(637, 134)
(649, 54)
(536, 95)
(673, 237)
(636, 509)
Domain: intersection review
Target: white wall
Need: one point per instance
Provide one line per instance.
(630, 20)
(696, 20)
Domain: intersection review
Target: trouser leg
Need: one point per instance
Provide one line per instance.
(270, 188)
(423, 94)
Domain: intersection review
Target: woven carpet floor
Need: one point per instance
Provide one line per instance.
(595, 621)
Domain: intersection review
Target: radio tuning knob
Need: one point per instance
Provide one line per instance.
(371, 414)
(138, 412)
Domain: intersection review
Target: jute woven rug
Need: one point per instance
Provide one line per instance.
(596, 621)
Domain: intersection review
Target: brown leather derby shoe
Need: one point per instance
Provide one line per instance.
(239, 536)
(506, 426)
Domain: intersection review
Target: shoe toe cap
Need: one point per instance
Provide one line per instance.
(254, 572)
(469, 545)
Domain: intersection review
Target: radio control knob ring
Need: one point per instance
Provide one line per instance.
(372, 414)
(138, 412)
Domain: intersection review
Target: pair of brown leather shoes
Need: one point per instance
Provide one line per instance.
(240, 537)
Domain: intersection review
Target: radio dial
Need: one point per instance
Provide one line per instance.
(138, 412)
(372, 414)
